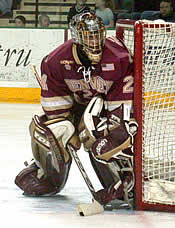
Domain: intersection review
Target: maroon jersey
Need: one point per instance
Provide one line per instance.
(65, 80)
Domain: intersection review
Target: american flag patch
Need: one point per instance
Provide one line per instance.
(107, 66)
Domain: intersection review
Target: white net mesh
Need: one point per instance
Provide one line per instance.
(158, 132)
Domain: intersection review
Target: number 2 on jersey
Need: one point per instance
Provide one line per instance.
(128, 87)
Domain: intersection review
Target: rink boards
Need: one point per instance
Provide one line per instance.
(19, 50)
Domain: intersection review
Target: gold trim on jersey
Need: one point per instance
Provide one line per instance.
(56, 103)
(115, 40)
(75, 54)
(55, 108)
(57, 98)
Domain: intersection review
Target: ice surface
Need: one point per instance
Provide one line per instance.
(58, 211)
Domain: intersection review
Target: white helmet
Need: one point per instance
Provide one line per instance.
(89, 31)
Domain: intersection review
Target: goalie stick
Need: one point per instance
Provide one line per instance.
(36, 75)
(95, 207)
(84, 209)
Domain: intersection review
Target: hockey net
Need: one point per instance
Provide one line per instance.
(153, 47)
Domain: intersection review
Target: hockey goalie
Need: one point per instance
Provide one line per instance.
(86, 96)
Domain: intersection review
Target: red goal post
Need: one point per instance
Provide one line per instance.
(153, 47)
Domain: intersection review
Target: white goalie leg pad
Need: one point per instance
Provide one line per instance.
(53, 151)
(90, 209)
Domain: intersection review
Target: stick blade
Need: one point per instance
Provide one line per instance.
(90, 209)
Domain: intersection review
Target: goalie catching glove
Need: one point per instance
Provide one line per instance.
(105, 133)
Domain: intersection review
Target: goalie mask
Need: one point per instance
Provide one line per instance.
(88, 30)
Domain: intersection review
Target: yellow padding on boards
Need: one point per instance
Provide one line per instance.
(32, 95)
(160, 100)
(20, 95)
